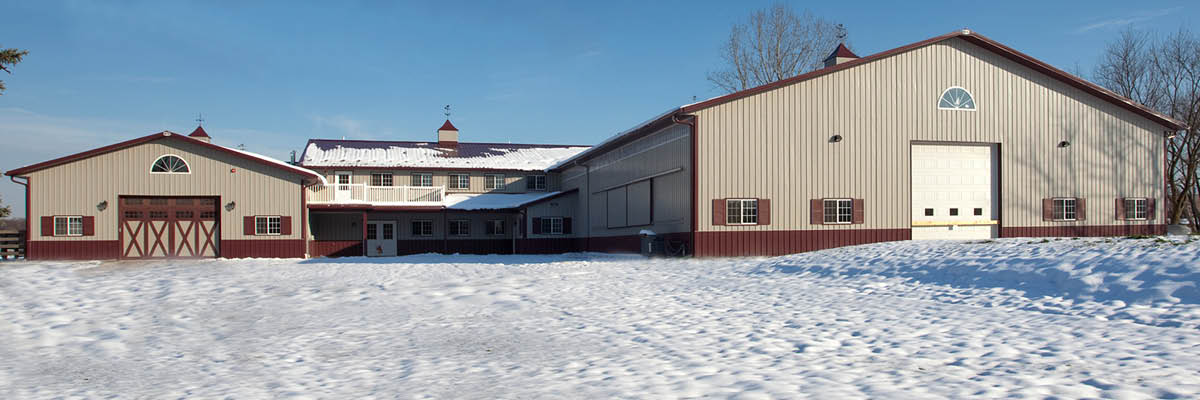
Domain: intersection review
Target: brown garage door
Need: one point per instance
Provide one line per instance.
(169, 227)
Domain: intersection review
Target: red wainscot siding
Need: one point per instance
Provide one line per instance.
(1093, 230)
(335, 248)
(73, 250)
(774, 243)
(277, 248)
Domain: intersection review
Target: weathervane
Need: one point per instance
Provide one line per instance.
(199, 119)
(447, 112)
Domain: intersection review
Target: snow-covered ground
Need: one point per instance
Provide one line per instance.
(1010, 318)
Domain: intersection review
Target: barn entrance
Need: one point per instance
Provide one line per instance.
(954, 191)
(169, 227)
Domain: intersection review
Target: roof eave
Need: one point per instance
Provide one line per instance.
(974, 38)
(148, 138)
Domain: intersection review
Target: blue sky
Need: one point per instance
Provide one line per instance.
(270, 75)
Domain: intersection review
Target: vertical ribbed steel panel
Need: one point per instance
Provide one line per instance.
(776, 144)
(78, 187)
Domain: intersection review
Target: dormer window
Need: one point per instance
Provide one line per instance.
(170, 164)
(956, 98)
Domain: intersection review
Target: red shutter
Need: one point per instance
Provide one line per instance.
(1120, 207)
(858, 211)
(248, 225)
(537, 226)
(285, 225)
(816, 211)
(1047, 209)
(718, 211)
(89, 226)
(1080, 209)
(1150, 215)
(764, 211)
(47, 226)
(566, 226)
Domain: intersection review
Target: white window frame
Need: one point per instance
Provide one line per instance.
(386, 179)
(422, 179)
(455, 181)
(494, 225)
(494, 182)
(185, 164)
(1074, 206)
(974, 103)
(837, 216)
(535, 182)
(424, 223)
(552, 225)
(267, 225)
(1141, 205)
(742, 218)
(461, 232)
(70, 223)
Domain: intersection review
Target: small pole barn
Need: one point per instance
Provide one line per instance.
(164, 196)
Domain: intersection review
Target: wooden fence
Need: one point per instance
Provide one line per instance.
(12, 244)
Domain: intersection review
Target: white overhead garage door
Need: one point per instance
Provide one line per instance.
(954, 191)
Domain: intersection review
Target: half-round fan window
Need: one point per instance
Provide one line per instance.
(956, 98)
(169, 164)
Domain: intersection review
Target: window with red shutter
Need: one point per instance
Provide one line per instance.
(718, 211)
(816, 211)
(764, 211)
(859, 212)
(248, 225)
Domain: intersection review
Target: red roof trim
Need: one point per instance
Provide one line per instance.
(148, 138)
(973, 38)
(199, 132)
(448, 127)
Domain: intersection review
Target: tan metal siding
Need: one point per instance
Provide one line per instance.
(565, 206)
(776, 144)
(514, 181)
(666, 150)
(78, 187)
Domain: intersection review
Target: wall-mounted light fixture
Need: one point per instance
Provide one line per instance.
(102, 206)
(1064, 144)
(835, 139)
(230, 206)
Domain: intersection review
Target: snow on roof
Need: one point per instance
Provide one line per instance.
(281, 164)
(499, 156)
(492, 201)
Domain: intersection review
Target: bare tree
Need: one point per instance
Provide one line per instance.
(1163, 74)
(5, 211)
(775, 44)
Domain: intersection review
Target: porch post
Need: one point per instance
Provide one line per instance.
(364, 233)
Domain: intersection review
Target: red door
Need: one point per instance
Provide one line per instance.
(169, 227)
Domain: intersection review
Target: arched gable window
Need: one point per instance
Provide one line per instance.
(170, 164)
(956, 98)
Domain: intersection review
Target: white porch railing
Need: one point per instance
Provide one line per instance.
(360, 193)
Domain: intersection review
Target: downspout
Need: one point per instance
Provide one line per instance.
(587, 207)
(28, 232)
(691, 123)
(304, 215)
